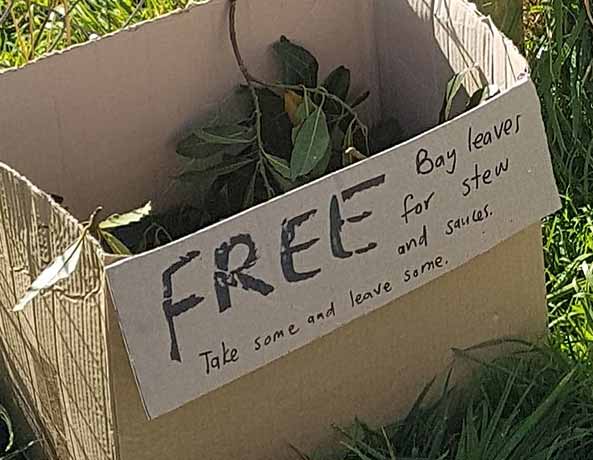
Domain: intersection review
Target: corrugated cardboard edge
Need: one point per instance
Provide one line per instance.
(63, 372)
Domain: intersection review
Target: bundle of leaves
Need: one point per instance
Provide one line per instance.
(274, 137)
(291, 133)
(285, 135)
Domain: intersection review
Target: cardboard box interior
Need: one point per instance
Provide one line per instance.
(112, 111)
(98, 124)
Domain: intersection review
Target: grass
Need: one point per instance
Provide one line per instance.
(29, 28)
(532, 405)
(568, 238)
(536, 403)
(562, 67)
(561, 57)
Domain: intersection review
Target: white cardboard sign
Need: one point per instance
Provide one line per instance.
(207, 309)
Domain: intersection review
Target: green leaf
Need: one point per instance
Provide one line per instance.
(200, 174)
(311, 144)
(531, 422)
(280, 165)
(282, 182)
(235, 109)
(295, 133)
(195, 147)
(360, 99)
(61, 268)
(338, 82)
(249, 198)
(239, 186)
(119, 220)
(116, 246)
(478, 97)
(198, 183)
(280, 171)
(276, 125)
(321, 168)
(224, 155)
(299, 66)
(226, 135)
(453, 87)
(302, 113)
(218, 202)
(5, 418)
(206, 142)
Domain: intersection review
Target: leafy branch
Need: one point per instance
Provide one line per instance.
(287, 134)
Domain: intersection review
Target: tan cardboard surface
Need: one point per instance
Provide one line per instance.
(56, 350)
(372, 368)
(214, 306)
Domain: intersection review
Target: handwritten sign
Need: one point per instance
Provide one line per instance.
(207, 309)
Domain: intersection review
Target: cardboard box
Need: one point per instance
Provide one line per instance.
(98, 124)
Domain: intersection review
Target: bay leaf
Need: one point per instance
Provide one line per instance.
(220, 170)
(283, 184)
(119, 220)
(249, 197)
(116, 246)
(299, 66)
(205, 142)
(276, 125)
(194, 146)
(338, 82)
(280, 165)
(453, 87)
(311, 144)
(226, 134)
(478, 97)
(320, 168)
